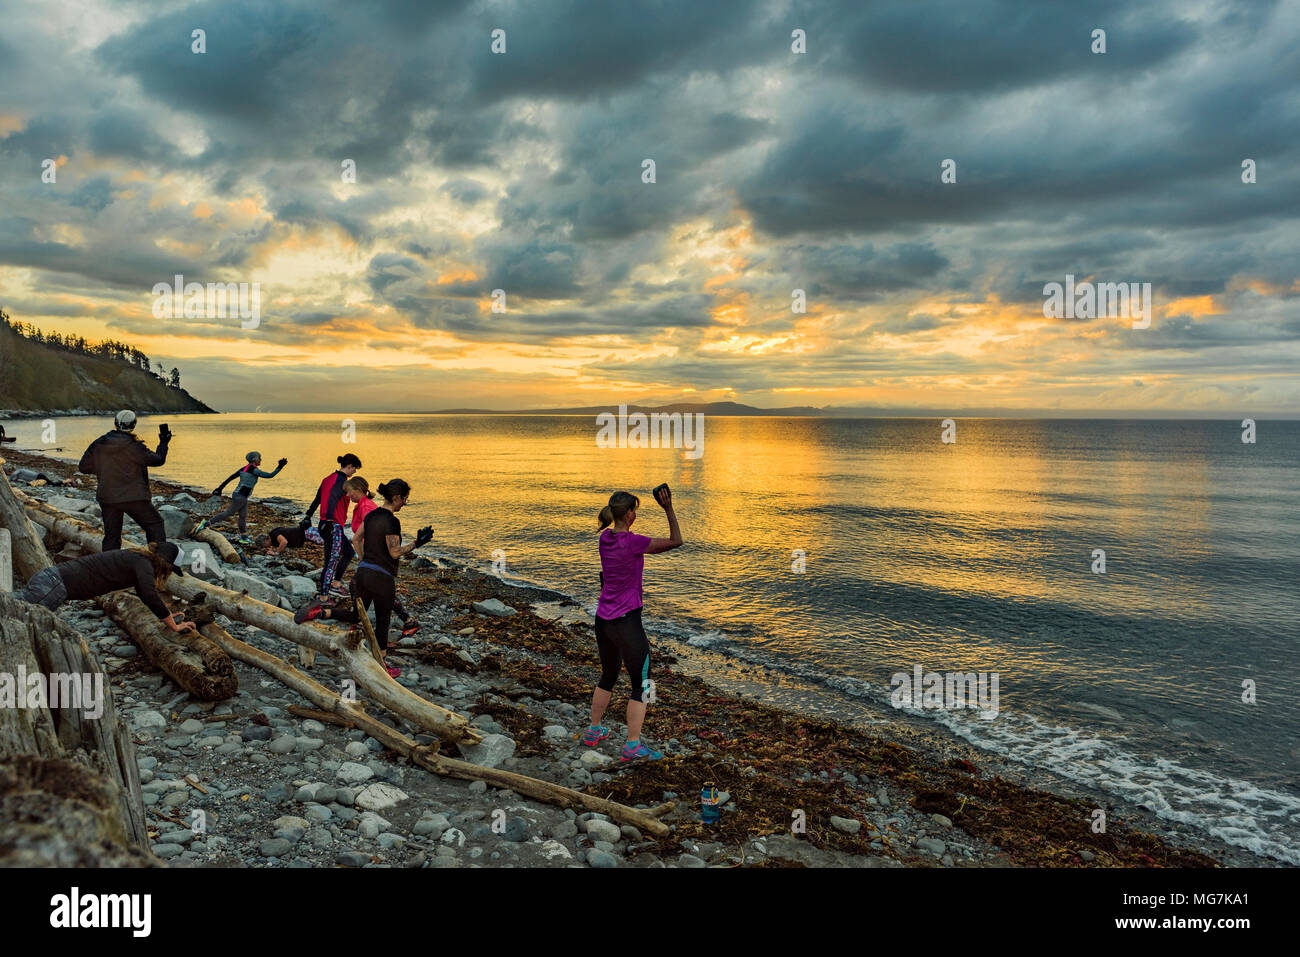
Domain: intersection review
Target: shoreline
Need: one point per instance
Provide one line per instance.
(898, 795)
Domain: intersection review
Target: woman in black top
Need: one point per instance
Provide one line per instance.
(99, 574)
(375, 581)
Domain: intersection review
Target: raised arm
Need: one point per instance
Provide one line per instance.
(674, 539)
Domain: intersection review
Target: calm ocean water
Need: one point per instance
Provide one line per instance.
(975, 556)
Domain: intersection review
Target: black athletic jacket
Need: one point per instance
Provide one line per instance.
(122, 462)
(97, 575)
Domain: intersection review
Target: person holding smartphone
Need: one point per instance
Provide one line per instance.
(620, 636)
(120, 462)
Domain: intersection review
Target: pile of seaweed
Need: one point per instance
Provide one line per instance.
(768, 761)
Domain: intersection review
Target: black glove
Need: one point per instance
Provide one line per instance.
(283, 462)
(305, 524)
(164, 433)
(424, 536)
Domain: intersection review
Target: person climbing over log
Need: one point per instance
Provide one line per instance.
(363, 503)
(121, 463)
(376, 579)
(333, 517)
(248, 476)
(145, 570)
(620, 637)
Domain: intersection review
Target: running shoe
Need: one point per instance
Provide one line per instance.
(309, 612)
(594, 735)
(393, 672)
(203, 523)
(339, 593)
(410, 628)
(633, 751)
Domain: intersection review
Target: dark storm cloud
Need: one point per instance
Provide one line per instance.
(569, 49)
(983, 46)
(131, 267)
(863, 272)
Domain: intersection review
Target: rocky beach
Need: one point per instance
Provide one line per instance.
(248, 782)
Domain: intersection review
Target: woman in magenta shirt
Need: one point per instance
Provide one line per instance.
(620, 637)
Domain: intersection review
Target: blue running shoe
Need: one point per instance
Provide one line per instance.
(594, 735)
(635, 750)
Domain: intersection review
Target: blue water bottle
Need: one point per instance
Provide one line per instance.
(709, 803)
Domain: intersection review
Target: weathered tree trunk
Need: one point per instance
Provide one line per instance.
(192, 661)
(28, 550)
(69, 785)
(220, 544)
(338, 711)
(344, 646)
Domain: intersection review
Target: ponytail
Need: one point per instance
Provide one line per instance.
(393, 488)
(620, 503)
(349, 459)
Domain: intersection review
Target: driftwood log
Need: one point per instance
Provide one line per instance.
(190, 660)
(344, 646)
(69, 784)
(337, 710)
(29, 551)
(218, 542)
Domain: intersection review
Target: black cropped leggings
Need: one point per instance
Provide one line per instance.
(373, 588)
(622, 642)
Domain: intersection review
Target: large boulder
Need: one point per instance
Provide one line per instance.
(239, 580)
(490, 752)
(173, 520)
(296, 587)
(494, 607)
(199, 560)
(380, 797)
(67, 503)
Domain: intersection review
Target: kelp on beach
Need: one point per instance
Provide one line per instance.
(759, 755)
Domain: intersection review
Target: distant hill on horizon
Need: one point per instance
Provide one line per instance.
(870, 412)
(708, 408)
(68, 377)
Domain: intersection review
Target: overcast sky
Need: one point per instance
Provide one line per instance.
(775, 171)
